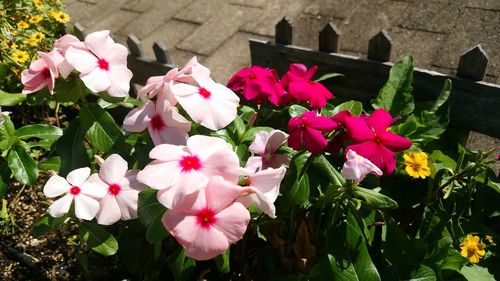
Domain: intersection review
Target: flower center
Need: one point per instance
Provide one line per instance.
(204, 93)
(157, 122)
(46, 72)
(189, 163)
(114, 189)
(252, 76)
(74, 190)
(205, 217)
(103, 64)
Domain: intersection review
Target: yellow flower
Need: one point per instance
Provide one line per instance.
(38, 4)
(472, 248)
(14, 46)
(489, 238)
(36, 19)
(31, 41)
(416, 164)
(23, 24)
(60, 16)
(20, 56)
(38, 36)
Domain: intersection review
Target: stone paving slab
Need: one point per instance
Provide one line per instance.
(338, 9)
(139, 6)
(430, 17)
(171, 34)
(200, 11)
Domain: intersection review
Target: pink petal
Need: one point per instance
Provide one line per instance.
(379, 120)
(259, 143)
(220, 193)
(357, 129)
(183, 227)
(97, 80)
(128, 202)
(168, 135)
(322, 124)
(315, 141)
(109, 211)
(296, 138)
(83, 61)
(208, 244)
(100, 43)
(395, 142)
(119, 79)
(85, 207)
(168, 152)
(117, 56)
(113, 169)
(159, 175)
(232, 221)
(94, 189)
(138, 118)
(79, 176)
(61, 206)
(223, 163)
(65, 69)
(56, 186)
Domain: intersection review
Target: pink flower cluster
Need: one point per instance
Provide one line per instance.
(102, 64)
(262, 85)
(368, 136)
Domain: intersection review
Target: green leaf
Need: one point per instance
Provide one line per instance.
(150, 212)
(250, 133)
(8, 99)
(373, 199)
(299, 192)
(239, 127)
(396, 96)
(69, 90)
(297, 180)
(476, 273)
(50, 164)
(101, 128)
(222, 261)
(407, 127)
(422, 273)
(322, 165)
(296, 110)
(354, 107)
(442, 160)
(328, 76)
(4, 178)
(45, 224)
(71, 149)
(41, 131)
(23, 167)
(4, 68)
(454, 261)
(180, 265)
(443, 96)
(98, 238)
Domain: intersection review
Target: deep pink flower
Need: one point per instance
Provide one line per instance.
(257, 83)
(42, 72)
(338, 141)
(297, 82)
(372, 140)
(207, 222)
(307, 130)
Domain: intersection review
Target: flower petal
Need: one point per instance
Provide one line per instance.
(85, 207)
(138, 118)
(79, 176)
(56, 186)
(109, 211)
(61, 206)
(232, 221)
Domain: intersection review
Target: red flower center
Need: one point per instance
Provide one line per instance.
(252, 76)
(114, 189)
(205, 217)
(189, 163)
(157, 122)
(75, 190)
(204, 93)
(46, 72)
(103, 64)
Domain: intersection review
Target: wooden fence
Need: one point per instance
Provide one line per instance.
(475, 105)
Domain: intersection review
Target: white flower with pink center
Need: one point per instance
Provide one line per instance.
(212, 105)
(179, 170)
(207, 222)
(103, 67)
(266, 144)
(75, 187)
(262, 189)
(164, 123)
(356, 167)
(122, 188)
(42, 72)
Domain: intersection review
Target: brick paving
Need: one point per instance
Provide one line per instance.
(435, 32)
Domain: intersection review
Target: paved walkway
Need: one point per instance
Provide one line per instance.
(435, 32)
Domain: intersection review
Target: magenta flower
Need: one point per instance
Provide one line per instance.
(164, 123)
(372, 140)
(307, 130)
(207, 222)
(179, 170)
(76, 187)
(356, 167)
(265, 144)
(122, 188)
(42, 72)
(297, 81)
(257, 83)
(335, 145)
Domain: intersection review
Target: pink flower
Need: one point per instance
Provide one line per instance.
(122, 188)
(356, 167)
(75, 187)
(181, 170)
(258, 83)
(207, 222)
(212, 105)
(266, 144)
(164, 123)
(61, 45)
(372, 140)
(298, 84)
(42, 72)
(335, 145)
(262, 189)
(103, 67)
(306, 130)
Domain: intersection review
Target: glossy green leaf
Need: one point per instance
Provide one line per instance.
(150, 212)
(422, 273)
(250, 133)
(476, 273)
(70, 148)
(373, 199)
(45, 224)
(98, 238)
(180, 265)
(50, 164)
(454, 261)
(239, 127)
(296, 110)
(354, 107)
(41, 131)
(4, 178)
(21, 164)
(69, 90)
(222, 261)
(328, 76)
(8, 99)
(396, 95)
